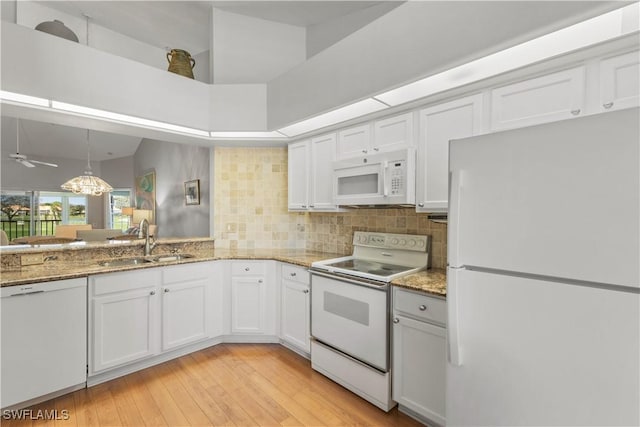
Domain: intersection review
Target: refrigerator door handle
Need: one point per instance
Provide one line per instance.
(455, 202)
(454, 353)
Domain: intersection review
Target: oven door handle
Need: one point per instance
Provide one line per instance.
(382, 287)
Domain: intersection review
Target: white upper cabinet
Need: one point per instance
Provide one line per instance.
(299, 175)
(323, 153)
(619, 81)
(310, 170)
(438, 125)
(548, 98)
(354, 141)
(393, 133)
(388, 134)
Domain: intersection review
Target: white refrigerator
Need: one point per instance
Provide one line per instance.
(544, 275)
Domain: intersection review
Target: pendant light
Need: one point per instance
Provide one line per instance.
(87, 184)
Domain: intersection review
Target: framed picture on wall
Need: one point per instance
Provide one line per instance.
(192, 192)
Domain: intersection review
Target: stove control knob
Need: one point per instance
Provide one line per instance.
(412, 242)
(394, 241)
(362, 239)
(421, 243)
(403, 242)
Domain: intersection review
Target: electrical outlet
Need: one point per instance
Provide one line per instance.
(31, 259)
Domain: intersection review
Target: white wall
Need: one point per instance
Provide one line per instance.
(251, 50)
(174, 164)
(325, 34)
(118, 172)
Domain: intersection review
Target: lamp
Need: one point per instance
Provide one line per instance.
(128, 212)
(140, 214)
(87, 184)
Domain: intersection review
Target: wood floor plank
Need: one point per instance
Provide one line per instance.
(86, 413)
(196, 385)
(65, 407)
(149, 410)
(105, 405)
(224, 385)
(167, 406)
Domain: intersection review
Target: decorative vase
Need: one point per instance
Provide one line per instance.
(57, 28)
(181, 62)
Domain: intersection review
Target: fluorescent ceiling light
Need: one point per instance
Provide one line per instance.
(24, 99)
(247, 135)
(342, 114)
(126, 119)
(586, 33)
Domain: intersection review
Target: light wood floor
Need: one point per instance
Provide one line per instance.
(224, 385)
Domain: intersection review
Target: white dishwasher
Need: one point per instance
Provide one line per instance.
(44, 339)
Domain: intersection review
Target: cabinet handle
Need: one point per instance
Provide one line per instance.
(293, 274)
(608, 105)
(304, 206)
(422, 307)
(247, 269)
(166, 290)
(364, 151)
(421, 205)
(376, 149)
(260, 281)
(575, 112)
(396, 320)
(306, 291)
(152, 293)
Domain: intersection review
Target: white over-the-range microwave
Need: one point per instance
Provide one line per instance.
(386, 178)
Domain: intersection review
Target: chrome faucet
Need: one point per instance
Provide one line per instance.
(144, 232)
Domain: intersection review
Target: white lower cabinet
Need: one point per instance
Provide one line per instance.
(419, 354)
(294, 310)
(138, 314)
(253, 298)
(44, 340)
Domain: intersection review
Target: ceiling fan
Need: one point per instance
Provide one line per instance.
(21, 158)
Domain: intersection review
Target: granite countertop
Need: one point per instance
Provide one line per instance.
(68, 265)
(433, 281)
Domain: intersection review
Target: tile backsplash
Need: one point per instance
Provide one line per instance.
(250, 210)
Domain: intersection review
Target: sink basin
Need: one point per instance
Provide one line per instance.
(172, 257)
(124, 262)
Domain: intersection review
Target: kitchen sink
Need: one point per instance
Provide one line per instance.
(125, 262)
(171, 257)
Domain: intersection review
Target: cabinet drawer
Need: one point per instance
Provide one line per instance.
(187, 272)
(247, 268)
(128, 280)
(295, 273)
(420, 306)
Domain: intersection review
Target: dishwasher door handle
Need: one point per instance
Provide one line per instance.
(26, 293)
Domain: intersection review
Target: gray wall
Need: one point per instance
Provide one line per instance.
(118, 172)
(174, 164)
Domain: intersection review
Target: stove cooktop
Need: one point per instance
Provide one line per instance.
(369, 267)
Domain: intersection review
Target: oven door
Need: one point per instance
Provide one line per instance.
(352, 318)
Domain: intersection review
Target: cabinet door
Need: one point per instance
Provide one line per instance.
(354, 141)
(248, 300)
(295, 314)
(124, 327)
(419, 367)
(619, 81)
(184, 313)
(393, 133)
(298, 175)
(438, 125)
(556, 96)
(323, 153)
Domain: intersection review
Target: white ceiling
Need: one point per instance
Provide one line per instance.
(186, 23)
(47, 141)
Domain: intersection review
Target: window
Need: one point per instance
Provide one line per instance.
(119, 199)
(31, 213)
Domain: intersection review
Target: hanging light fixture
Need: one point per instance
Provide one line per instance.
(88, 183)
